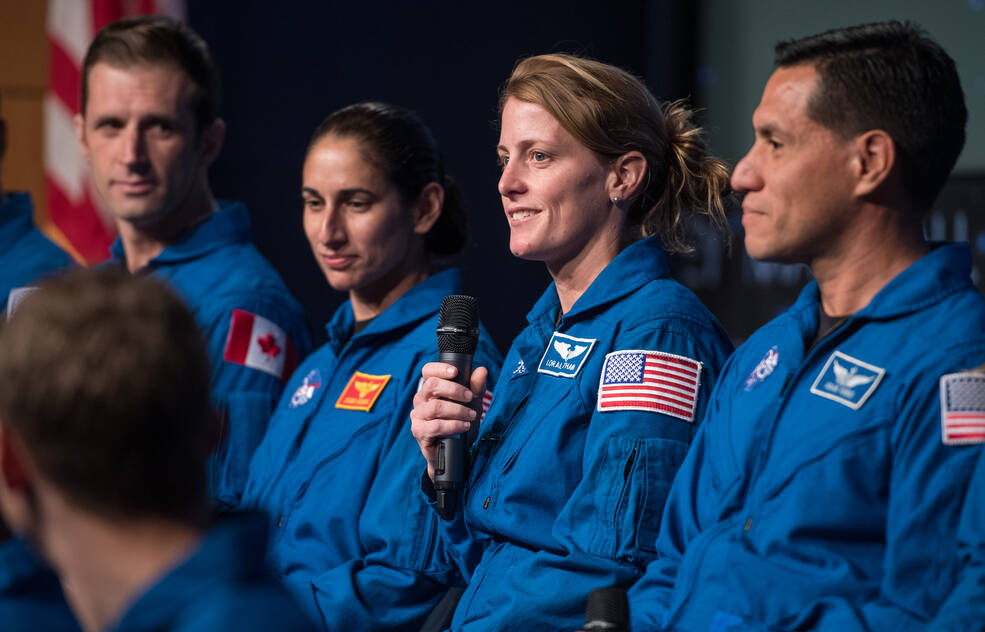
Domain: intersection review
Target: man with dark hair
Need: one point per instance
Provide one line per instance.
(25, 253)
(104, 434)
(824, 486)
(149, 130)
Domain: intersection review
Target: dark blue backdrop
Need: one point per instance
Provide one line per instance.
(285, 69)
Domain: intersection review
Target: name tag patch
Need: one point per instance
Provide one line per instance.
(565, 355)
(847, 380)
(651, 381)
(362, 391)
(963, 408)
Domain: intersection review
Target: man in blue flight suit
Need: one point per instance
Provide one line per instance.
(149, 129)
(104, 434)
(824, 487)
(25, 253)
(965, 609)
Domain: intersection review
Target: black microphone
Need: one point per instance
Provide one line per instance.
(458, 333)
(607, 610)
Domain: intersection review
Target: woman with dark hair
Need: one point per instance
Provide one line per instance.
(602, 391)
(338, 466)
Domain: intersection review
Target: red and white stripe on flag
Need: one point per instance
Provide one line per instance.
(260, 344)
(486, 401)
(652, 381)
(73, 215)
(963, 408)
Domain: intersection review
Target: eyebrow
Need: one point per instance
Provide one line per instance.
(341, 193)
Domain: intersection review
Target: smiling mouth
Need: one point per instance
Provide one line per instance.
(521, 214)
(134, 188)
(337, 262)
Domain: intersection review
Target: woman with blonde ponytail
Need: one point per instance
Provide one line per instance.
(601, 394)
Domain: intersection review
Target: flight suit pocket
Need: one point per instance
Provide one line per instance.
(635, 479)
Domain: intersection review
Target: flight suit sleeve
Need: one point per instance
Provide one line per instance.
(607, 528)
(404, 571)
(927, 485)
(254, 345)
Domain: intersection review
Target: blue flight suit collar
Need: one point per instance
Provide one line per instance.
(230, 552)
(944, 270)
(638, 264)
(16, 218)
(230, 225)
(420, 302)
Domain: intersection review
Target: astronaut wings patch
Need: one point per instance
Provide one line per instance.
(963, 408)
(651, 381)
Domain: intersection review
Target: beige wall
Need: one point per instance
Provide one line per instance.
(23, 78)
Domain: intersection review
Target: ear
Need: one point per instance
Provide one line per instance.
(873, 160)
(80, 134)
(13, 467)
(626, 175)
(212, 139)
(428, 207)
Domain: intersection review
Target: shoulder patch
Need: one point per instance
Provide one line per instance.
(260, 344)
(651, 381)
(963, 408)
(565, 355)
(847, 380)
(486, 402)
(362, 391)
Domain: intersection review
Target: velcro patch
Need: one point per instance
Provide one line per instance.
(304, 393)
(963, 408)
(362, 391)
(565, 355)
(847, 380)
(260, 344)
(651, 381)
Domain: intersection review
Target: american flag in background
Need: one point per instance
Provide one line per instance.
(73, 216)
(963, 408)
(651, 381)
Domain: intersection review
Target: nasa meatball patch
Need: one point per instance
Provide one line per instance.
(565, 355)
(847, 380)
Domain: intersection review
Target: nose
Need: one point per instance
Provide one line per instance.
(510, 182)
(133, 150)
(746, 176)
(331, 230)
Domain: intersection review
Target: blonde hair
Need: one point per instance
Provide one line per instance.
(612, 112)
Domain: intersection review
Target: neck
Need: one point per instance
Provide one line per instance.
(145, 239)
(573, 277)
(852, 273)
(104, 564)
(368, 303)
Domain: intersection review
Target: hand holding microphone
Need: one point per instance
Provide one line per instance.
(446, 405)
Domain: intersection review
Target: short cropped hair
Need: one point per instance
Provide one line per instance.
(888, 76)
(105, 378)
(612, 112)
(157, 40)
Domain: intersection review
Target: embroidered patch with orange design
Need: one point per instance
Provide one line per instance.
(362, 391)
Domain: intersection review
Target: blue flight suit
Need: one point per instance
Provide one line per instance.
(26, 254)
(217, 270)
(563, 497)
(351, 538)
(223, 585)
(30, 596)
(819, 493)
(964, 610)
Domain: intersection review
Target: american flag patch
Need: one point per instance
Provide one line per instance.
(651, 381)
(486, 400)
(963, 408)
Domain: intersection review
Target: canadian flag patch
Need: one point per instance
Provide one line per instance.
(260, 344)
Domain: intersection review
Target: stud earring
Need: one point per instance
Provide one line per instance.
(616, 200)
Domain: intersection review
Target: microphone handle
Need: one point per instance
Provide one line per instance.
(450, 468)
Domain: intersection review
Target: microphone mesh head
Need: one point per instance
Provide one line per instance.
(608, 605)
(460, 312)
